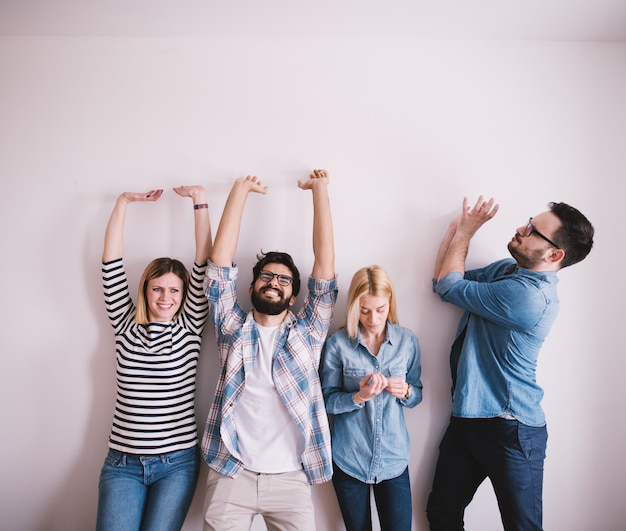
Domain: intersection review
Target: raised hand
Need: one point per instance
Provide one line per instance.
(473, 218)
(152, 195)
(202, 225)
(455, 244)
(227, 235)
(114, 234)
(315, 177)
(196, 192)
(252, 184)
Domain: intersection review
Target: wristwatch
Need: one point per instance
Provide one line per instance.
(408, 391)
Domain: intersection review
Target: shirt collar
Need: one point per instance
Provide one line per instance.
(391, 335)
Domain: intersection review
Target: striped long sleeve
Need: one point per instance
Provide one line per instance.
(156, 368)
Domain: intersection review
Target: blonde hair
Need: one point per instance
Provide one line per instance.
(155, 269)
(370, 280)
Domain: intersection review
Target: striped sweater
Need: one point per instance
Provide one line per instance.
(156, 368)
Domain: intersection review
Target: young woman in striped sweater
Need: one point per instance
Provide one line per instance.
(150, 473)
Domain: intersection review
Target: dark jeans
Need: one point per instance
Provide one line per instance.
(509, 453)
(393, 502)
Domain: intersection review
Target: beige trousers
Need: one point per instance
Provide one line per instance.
(283, 500)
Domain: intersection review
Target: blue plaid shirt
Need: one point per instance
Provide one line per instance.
(295, 366)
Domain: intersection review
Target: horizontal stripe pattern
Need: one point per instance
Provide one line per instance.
(156, 368)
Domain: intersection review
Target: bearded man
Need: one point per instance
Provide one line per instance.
(267, 438)
(498, 428)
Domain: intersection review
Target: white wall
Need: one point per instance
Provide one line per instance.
(406, 128)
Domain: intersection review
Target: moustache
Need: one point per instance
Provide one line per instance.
(267, 288)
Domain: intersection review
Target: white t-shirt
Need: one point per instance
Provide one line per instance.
(268, 438)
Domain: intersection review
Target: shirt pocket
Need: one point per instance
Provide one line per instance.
(396, 370)
(352, 377)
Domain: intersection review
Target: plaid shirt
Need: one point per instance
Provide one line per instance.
(295, 366)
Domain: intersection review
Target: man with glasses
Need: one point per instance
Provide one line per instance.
(498, 429)
(267, 438)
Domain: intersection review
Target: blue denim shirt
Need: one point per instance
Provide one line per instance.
(370, 441)
(508, 314)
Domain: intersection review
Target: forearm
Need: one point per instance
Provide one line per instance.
(443, 249)
(460, 233)
(339, 401)
(323, 235)
(454, 258)
(414, 380)
(114, 234)
(202, 228)
(227, 236)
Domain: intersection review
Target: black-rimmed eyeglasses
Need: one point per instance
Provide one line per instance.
(268, 276)
(531, 229)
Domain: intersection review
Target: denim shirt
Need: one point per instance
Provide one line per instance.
(370, 441)
(508, 314)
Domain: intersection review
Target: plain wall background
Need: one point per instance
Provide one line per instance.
(406, 127)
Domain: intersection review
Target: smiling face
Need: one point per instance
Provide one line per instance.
(164, 296)
(374, 314)
(270, 297)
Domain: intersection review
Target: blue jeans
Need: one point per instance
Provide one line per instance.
(393, 502)
(509, 453)
(146, 492)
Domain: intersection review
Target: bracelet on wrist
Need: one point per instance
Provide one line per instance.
(200, 205)
(358, 394)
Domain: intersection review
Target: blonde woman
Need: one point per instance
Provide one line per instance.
(370, 372)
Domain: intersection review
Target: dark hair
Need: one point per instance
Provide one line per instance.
(575, 236)
(275, 257)
(155, 269)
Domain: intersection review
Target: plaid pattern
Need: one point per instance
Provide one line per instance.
(295, 370)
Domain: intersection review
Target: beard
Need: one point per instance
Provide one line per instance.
(524, 260)
(268, 307)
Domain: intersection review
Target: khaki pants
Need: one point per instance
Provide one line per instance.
(284, 501)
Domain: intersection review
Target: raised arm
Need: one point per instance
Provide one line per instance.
(444, 246)
(452, 258)
(227, 235)
(114, 235)
(202, 224)
(323, 238)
